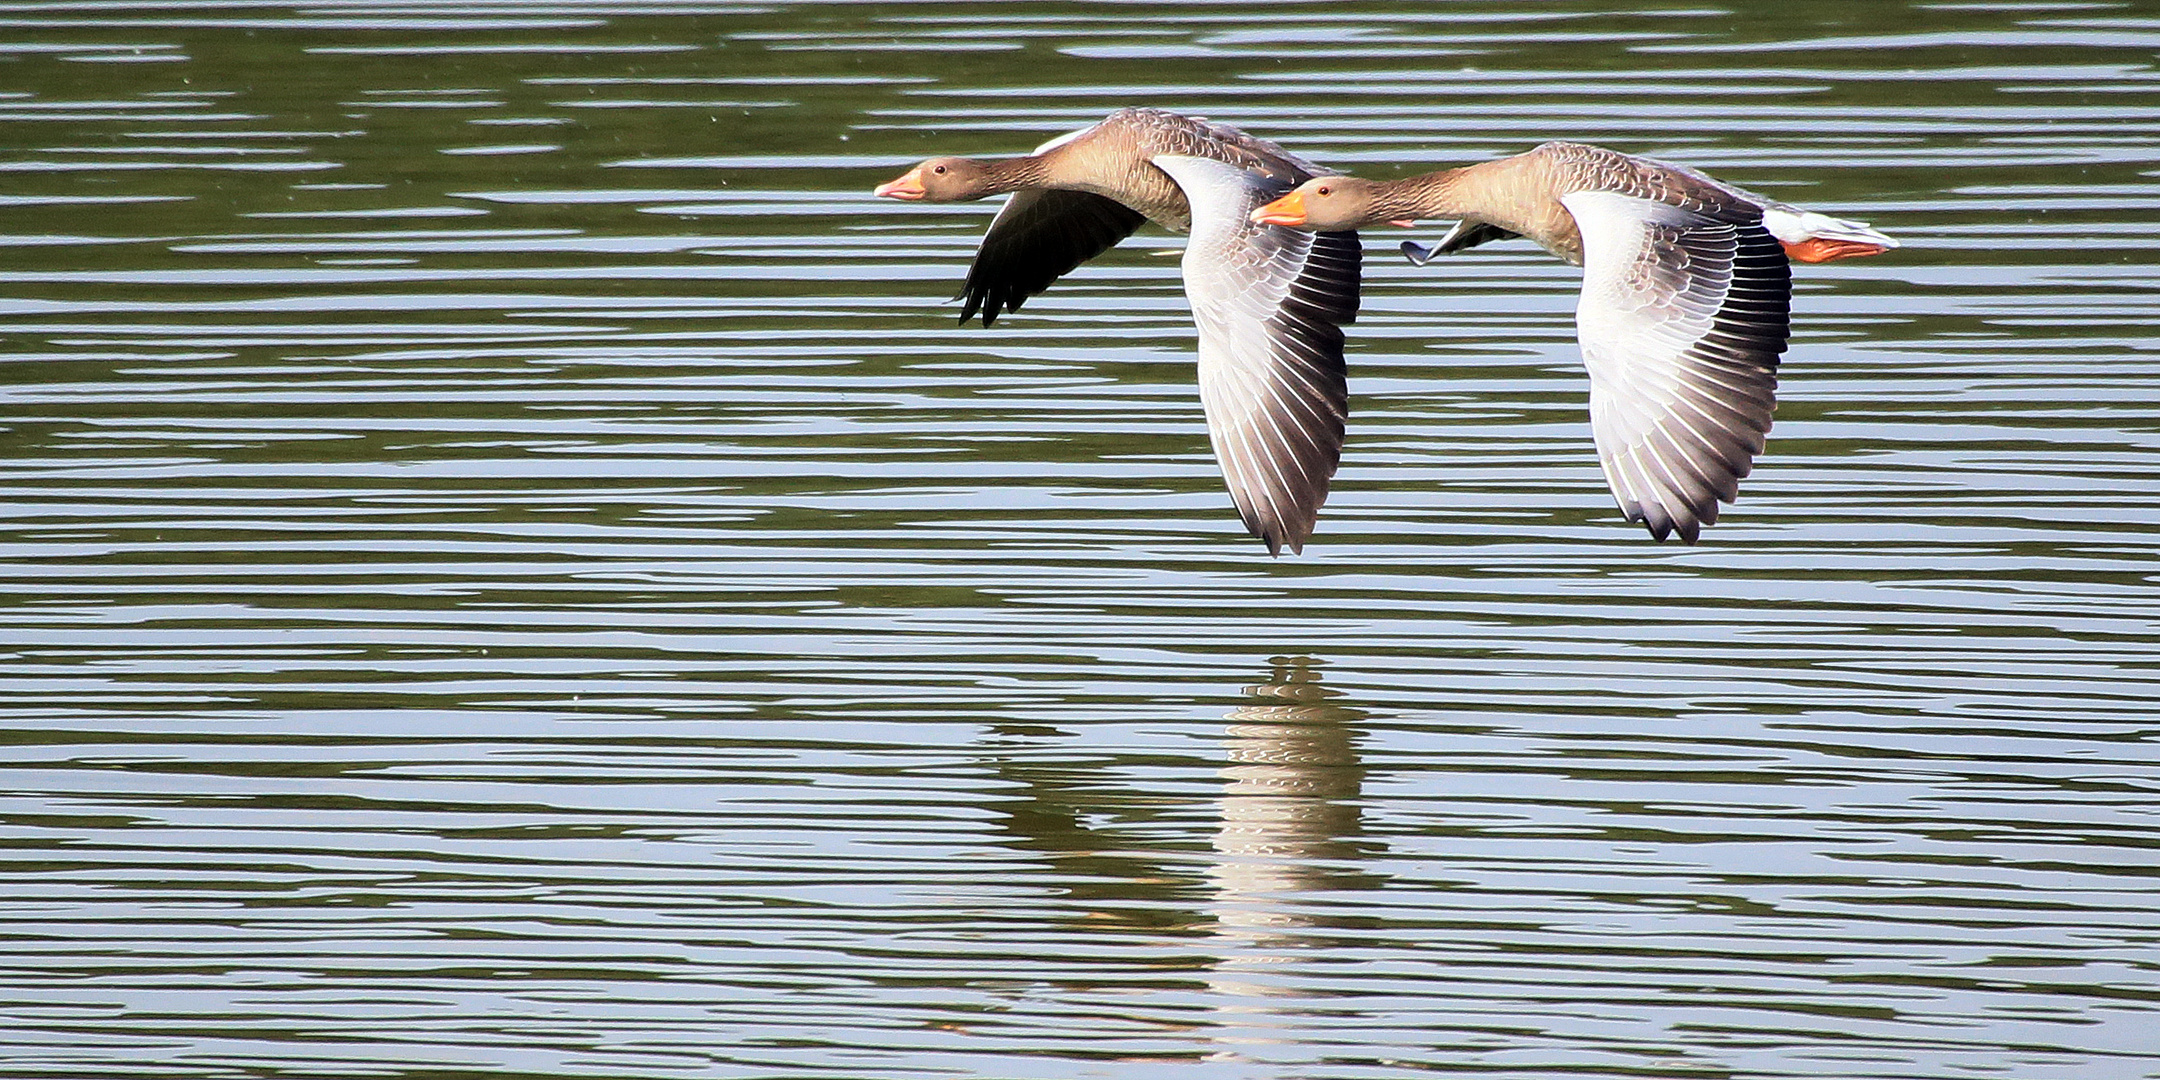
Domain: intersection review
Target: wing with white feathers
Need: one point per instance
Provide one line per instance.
(1270, 304)
(1682, 320)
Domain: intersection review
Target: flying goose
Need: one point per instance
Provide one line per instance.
(1269, 302)
(1686, 296)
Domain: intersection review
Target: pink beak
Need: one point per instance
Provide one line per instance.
(908, 186)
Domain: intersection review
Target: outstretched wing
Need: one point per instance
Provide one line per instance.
(1270, 304)
(1465, 234)
(1039, 236)
(1681, 321)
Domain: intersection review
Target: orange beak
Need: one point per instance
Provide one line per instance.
(908, 186)
(1288, 210)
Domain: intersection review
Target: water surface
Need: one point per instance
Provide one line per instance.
(511, 569)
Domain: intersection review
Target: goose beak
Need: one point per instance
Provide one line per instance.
(1288, 210)
(908, 186)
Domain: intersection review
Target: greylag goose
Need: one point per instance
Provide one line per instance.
(1269, 302)
(1686, 296)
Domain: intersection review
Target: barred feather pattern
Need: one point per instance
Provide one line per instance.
(1682, 320)
(1269, 303)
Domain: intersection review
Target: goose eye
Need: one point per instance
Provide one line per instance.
(940, 170)
(1323, 190)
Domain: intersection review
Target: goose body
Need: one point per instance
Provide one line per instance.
(1269, 302)
(1685, 305)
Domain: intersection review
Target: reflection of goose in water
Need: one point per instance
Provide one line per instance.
(1289, 810)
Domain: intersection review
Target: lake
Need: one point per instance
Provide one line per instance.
(513, 570)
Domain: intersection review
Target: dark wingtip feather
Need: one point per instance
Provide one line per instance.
(970, 301)
(1022, 254)
(1278, 535)
(1655, 519)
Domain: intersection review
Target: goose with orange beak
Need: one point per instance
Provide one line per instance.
(1685, 306)
(1269, 303)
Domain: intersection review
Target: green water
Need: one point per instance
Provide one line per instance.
(511, 569)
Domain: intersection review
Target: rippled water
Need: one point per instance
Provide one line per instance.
(511, 569)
